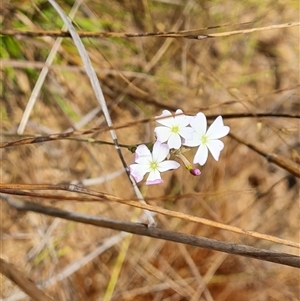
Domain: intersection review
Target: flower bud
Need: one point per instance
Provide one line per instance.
(188, 165)
(195, 172)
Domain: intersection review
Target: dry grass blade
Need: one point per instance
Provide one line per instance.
(100, 97)
(242, 31)
(117, 268)
(38, 86)
(9, 271)
(198, 34)
(73, 267)
(15, 188)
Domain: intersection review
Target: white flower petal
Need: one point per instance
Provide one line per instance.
(195, 141)
(142, 154)
(174, 129)
(191, 143)
(167, 165)
(142, 150)
(174, 141)
(201, 155)
(181, 120)
(154, 178)
(186, 132)
(217, 129)
(165, 121)
(199, 123)
(138, 171)
(215, 147)
(162, 133)
(160, 151)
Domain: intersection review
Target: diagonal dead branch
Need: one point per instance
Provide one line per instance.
(25, 284)
(142, 229)
(14, 188)
(284, 163)
(61, 136)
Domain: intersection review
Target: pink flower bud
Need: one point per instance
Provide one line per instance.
(195, 172)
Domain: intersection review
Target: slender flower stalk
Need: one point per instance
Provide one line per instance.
(193, 171)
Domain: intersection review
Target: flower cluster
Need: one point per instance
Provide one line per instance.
(172, 137)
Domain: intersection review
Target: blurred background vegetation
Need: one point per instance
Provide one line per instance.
(245, 73)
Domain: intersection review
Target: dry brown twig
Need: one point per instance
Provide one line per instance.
(284, 163)
(17, 188)
(280, 161)
(9, 271)
(198, 34)
(142, 229)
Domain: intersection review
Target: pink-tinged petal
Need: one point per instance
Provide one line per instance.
(174, 141)
(154, 182)
(199, 123)
(142, 151)
(160, 151)
(167, 165)
(186, 132)
(137, 152)
(217, 129)
(143, 160)
(165, 121)
(215, 147)
(142, 154)
(201, 155)
(137, 171)
(180, 119)
(162, 133)
(154, 178)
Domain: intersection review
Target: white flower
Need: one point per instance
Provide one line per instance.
(173, 128)
(207, 140)
(153, 163)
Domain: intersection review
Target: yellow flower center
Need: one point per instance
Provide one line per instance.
(203, 139)
(175, 129)
(153, 165)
